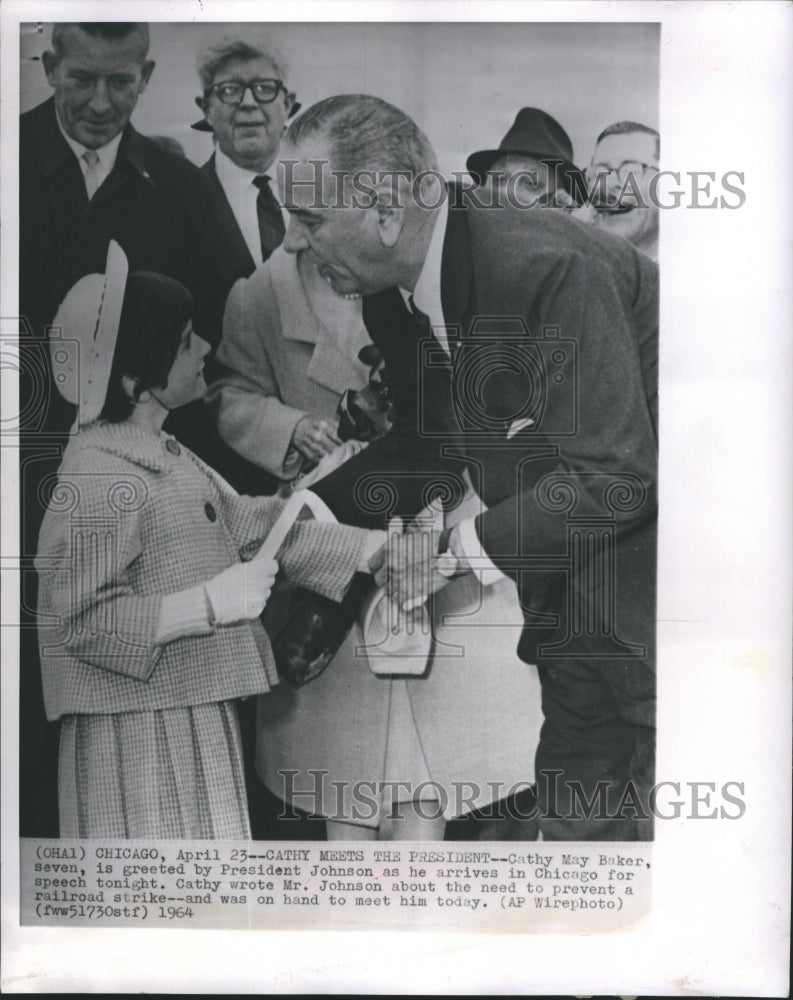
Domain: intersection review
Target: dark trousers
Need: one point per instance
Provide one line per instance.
(596, 756)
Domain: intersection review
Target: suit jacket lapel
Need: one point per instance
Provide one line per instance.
(306, 309)
(458, 296)
(235, 252)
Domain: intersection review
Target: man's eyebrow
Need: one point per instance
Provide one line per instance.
(91, 74)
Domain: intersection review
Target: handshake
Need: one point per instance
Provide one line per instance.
(241, 591)
(413, 564)
(409, 565)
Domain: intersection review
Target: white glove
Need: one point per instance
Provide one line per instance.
(241, 591)
(374, 545)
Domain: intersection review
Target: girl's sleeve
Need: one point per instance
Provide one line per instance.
(323, 557)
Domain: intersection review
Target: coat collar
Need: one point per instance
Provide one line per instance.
(135, 445)
(302, 298)
(155, 452)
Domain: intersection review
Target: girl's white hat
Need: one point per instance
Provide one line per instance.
(83, 336)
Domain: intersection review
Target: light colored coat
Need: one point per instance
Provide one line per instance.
(279, 361)
(476, 708)
(135, 516)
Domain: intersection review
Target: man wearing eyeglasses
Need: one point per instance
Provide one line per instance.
(618, 180)
(246, 105)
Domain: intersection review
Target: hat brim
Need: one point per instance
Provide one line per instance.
(479, 163)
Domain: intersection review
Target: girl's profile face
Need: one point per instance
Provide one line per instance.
(186, 377)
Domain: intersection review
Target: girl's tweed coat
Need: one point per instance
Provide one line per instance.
(134, 516)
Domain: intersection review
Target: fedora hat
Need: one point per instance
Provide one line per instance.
(537, 134)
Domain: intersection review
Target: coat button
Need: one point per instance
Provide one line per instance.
(172, 446)
(210, 511)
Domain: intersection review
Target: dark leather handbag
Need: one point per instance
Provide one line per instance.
(307, 629)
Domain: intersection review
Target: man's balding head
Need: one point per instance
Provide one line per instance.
(365, 133)
(359, 179)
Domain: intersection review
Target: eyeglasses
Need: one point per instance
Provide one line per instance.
(626, 169)
(232, 91)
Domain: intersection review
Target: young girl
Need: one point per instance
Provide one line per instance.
(148, 615)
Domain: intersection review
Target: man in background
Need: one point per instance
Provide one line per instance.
(619, 179)
(246, 103)
(533, 165)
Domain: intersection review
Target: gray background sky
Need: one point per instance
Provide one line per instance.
(463, 83)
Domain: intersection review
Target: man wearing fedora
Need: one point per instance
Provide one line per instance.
(547, 332)
(533, 165)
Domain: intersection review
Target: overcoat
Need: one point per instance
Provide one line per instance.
(290, 347)
(473, 716)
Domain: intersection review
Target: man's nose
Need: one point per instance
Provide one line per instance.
(247, 100)
(295, 238)
(100, 96)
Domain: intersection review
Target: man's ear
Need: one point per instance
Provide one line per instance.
(391, 195)
(289, 104)
(50, 63)
(146, 71)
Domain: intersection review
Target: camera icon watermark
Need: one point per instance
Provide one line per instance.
(503, 376)
(40, 365)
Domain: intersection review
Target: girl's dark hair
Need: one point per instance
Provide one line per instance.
(153, 317)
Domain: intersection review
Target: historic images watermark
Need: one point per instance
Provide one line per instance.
(428, 189)
(562, 799)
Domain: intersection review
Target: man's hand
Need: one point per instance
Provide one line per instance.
(406, 566)
(315, 437)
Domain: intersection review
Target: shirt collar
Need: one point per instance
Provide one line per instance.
(107, 154)
(230, 174)
(427, 292)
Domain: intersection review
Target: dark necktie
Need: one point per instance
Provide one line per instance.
(268, 212)
(421, 318)
(425, 329)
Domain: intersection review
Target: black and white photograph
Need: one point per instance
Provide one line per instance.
(375, 446)
(304, 371)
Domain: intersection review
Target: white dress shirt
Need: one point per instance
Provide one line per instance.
(427, 293)
(241, 193)
(107, 155)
